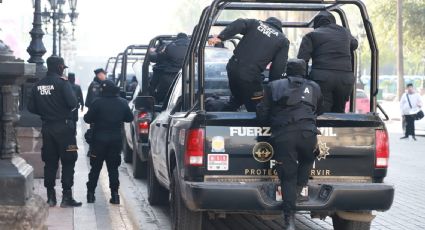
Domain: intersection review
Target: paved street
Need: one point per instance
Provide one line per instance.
(406, 165)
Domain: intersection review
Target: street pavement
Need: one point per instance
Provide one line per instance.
(406, 172)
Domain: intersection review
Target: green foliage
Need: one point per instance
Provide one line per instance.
(383, 15)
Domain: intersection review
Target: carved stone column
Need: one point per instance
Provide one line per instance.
(19, 208)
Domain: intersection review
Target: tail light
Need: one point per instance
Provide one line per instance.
(382, 149)
(195, 147)
(143, 123)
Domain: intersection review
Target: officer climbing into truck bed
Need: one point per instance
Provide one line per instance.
(291, 106)
(53, 99)
(262, 43)
(169, 60)
(330, 47)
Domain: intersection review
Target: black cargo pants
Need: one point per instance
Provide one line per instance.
(108, 152)
(245, 85)
(294, 151)
(59, 143)
(160, 84)
(336, 87)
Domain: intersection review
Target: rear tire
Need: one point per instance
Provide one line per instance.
(342, 224)
(182, 218)
(128, 153)
(139, 166)
(157, 195)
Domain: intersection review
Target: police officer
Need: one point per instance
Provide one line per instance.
(53, 99)
(79, 94)
(291, 106)
(330, 47)
(107, 114)
(169, 60)
(94, 87)
(262, 43)
(92, 94)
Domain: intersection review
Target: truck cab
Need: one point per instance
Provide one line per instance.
(215, 163)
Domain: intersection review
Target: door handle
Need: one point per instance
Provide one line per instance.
(165, 125)
(157, 124)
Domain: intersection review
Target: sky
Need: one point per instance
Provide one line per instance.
(104, 27)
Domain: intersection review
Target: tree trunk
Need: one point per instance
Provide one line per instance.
(400, 66)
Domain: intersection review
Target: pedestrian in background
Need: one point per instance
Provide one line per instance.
(80, 99)
(107, 114)
(92, 94)
(291, 106)
(53, 99)
(410, 105)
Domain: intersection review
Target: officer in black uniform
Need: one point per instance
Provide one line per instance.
(79, 94)
(169, 61)
(94, 87)
(53, 99)
(330, 47)
(92, 94)
(107, 114)
(291, 106)
(262, 43)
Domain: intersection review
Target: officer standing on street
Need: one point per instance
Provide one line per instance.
(80, 99)
(94, 87)
(92, 94)
(53, 99)
(291, 106)
(107, 113)
(262, 43)
(330, 47)
(169, 61)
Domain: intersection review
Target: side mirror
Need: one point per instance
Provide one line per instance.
(158, 108)
(145, 103)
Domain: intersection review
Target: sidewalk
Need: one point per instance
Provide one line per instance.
(98, 216)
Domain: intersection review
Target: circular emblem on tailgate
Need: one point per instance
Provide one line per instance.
(263, 152)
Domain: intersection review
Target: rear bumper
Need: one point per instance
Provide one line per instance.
(258, 197)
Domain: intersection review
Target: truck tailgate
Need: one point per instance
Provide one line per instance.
(236, 146)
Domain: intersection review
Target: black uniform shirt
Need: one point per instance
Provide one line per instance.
(260, 45)
(290, 101)
(52, 98)
(170, 59)
(93, 92)
(330, 46)
(107, 113)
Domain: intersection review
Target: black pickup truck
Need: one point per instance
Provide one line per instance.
(221, 162)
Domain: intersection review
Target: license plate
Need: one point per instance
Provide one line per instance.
(218, 162)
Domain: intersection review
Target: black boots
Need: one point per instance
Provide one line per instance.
(68, 201)
(90, 197)
(51, 197)
(289, 221)
(115, 198)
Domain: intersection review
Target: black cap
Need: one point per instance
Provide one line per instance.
(275, 22)
(109, 88)
(100, 70)
(296, 67)
(55, 61)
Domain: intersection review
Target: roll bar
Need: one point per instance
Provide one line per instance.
(208, 19)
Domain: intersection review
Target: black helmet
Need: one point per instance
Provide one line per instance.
(296, 67)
